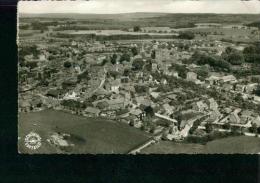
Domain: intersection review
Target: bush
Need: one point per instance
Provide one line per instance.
(125, 57)
(113, 59)
(67, 64)
(137, 64)
(134, 51)
(209, 128)
(186, 35)
(227, 126)
(137, 28)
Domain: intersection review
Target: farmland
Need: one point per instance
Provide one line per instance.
(94, 135)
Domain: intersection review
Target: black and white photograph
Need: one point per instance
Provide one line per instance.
(138, 77)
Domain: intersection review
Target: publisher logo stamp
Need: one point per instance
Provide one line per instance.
(32, 141)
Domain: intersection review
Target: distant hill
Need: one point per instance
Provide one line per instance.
(125, 16)
(168, 17)
(128, 20)
(254, 24)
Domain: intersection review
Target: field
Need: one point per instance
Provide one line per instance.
(94, 135)
(230, 145)
(112, 32)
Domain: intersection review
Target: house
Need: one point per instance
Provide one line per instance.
(136, 115)
(251, 87)
(53, 93)
(256, 121)
(115, 86)
(171, 72)
(141, 100)
(246, 115)
(199, 106)
(214, 115)
(234, 117)
(155, 95)
(168, 109)
(227, 87)
(122, 113)
(101, 92)
(212, 80)
(136, 112)
(228, 79)
(71, 96)
(213, 105)
(92, 111)
(240, 87)
(124, 79)
(172, 96)
(191, 76)
(24, 106)
(117, 103)
(164, 81)
(257, 99)
(42, 57)
(36, 102)
(154, 67)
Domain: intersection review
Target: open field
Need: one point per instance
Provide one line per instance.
(96, 135)
(230, 145)
(113, 32)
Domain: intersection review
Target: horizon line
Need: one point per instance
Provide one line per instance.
(140, 12)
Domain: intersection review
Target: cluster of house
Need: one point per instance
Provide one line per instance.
(107, 91)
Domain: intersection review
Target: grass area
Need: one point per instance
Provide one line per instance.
(97, 135)
(230, 145)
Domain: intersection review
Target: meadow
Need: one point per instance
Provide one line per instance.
(97, 135)
(229, 145)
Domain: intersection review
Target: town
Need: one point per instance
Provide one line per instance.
(193, 84)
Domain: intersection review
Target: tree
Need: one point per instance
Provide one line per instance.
(104, 62)
(149, 111)
(137, 28)
(141, 88)
(67, 64)
(229, 50)
(102, 105)
(83, 75)
(249, 50)
(186, 35)
(227, 126)
(258, 130)
(152, 128)
(257, 90)
(125, 57)
(28, 50)
(253, 128)
(131, 123)
(134, 51)
(209, 127)
(235, 58)
(126, 72)
(182, 71)
(137, 64)
(153, 54)
(202, 73)
(113, 59)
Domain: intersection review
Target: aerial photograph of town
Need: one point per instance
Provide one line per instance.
(138, 77)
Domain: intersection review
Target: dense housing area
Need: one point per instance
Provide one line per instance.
(188, 83)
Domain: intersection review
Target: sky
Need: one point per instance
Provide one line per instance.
(129, 6)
